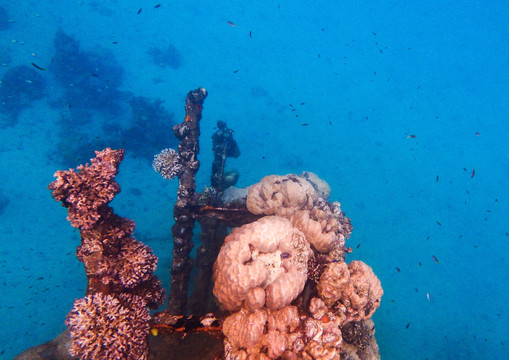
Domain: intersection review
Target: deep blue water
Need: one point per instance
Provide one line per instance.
(394, 104)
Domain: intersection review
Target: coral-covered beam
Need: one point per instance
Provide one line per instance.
(188, 133)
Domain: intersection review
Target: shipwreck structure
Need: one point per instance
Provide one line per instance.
(274, 287)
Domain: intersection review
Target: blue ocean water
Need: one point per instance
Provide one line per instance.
(401, 107)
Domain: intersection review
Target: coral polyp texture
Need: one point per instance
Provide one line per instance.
(105, 327)
(285, 280)
(86, 190)
(111, 322)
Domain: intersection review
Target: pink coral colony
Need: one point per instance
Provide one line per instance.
(111, 322)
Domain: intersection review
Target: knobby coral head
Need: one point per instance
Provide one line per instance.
(283, 309)
(84, 191)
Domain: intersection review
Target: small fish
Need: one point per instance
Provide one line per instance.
(427, 296)
(37, 66)
(407, 325)
(285, 255)
(439, 223)
(157, 6)
(472, 174)
(398, 269)
(231, 23)
(235, 71)
(305, 124)
(435, 258)
(139, 11)
(411, 136)
(477, 133)
(250, 34)
(438, 178)
(358, 246)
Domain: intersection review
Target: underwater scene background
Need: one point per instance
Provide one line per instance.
(401, 107)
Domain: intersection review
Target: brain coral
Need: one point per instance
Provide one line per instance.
(263, 263)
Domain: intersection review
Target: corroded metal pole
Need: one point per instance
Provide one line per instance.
(188, 132)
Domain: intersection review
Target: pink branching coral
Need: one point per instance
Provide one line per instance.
(111, 322)
(107, 327)
(87, 189)
(114, 260)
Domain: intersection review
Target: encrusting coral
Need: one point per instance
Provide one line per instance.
(283, 309)
(111, 322)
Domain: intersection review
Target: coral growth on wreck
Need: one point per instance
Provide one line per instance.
(111, 322)
(299, 247)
